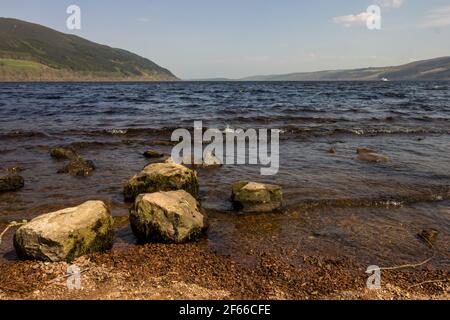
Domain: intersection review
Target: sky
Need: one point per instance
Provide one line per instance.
(238, 38)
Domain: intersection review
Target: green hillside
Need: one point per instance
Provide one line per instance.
(33, 52)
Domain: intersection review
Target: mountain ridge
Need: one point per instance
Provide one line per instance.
(430, 69)
(32, 52)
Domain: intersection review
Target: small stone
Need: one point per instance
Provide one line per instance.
(332, 150)
(11, 183)
(153, 154)
(365, 150)
(210, 161)
(63, 153)
(168, 217)
(429, 236)
(164, 143)
(252, 197)
(373, 157)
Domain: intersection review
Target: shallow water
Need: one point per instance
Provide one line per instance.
(335, 204)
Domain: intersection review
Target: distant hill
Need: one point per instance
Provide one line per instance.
(433, 69)
(31, 52)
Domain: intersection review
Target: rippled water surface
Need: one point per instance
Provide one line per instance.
(335, 204)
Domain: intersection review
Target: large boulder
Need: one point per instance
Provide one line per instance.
(162, 177)
(252, 197)
(66, 234)
(168, 217)
(11, 183)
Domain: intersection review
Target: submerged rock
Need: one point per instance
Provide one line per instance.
(429, 236)
(369, 155)
(66, 234)
(12, 170)
(63, 153)
(11, 183)
(365, 150)
(164, 143)
(162, 177)
(79, 167)
(168, 217)
(373, 157)
(252, 197)
(210, 161)
(153, 154)
(332, 232)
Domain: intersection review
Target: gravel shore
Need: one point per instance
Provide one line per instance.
(190, 271)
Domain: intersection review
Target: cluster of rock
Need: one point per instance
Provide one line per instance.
(77, 166)
(165, 209)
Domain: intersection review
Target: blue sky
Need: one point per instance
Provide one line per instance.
(237, 38)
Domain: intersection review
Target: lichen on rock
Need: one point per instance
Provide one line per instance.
(252, 197)
(162, 177)
(66, 234)
(167, 217)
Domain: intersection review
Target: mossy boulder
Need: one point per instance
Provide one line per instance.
(167, 217)
(162, 177)
(79, 167)
(11, 183)
(63, 153)
(252, 197)
(66, 234)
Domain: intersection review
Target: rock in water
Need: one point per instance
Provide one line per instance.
(373, 157)
(153, 154)
(66, 234)
(63, 153)
(79, 167)
(168, 217)
(429, 236)
(365, 150)
(162, 177)
(211, 161)
(252, 197)
(369, 155)
(11, 183)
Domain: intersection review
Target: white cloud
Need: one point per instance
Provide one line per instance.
(437, 18)
(143, 20)
(352, 19)
(390, 3)
(362, 17)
